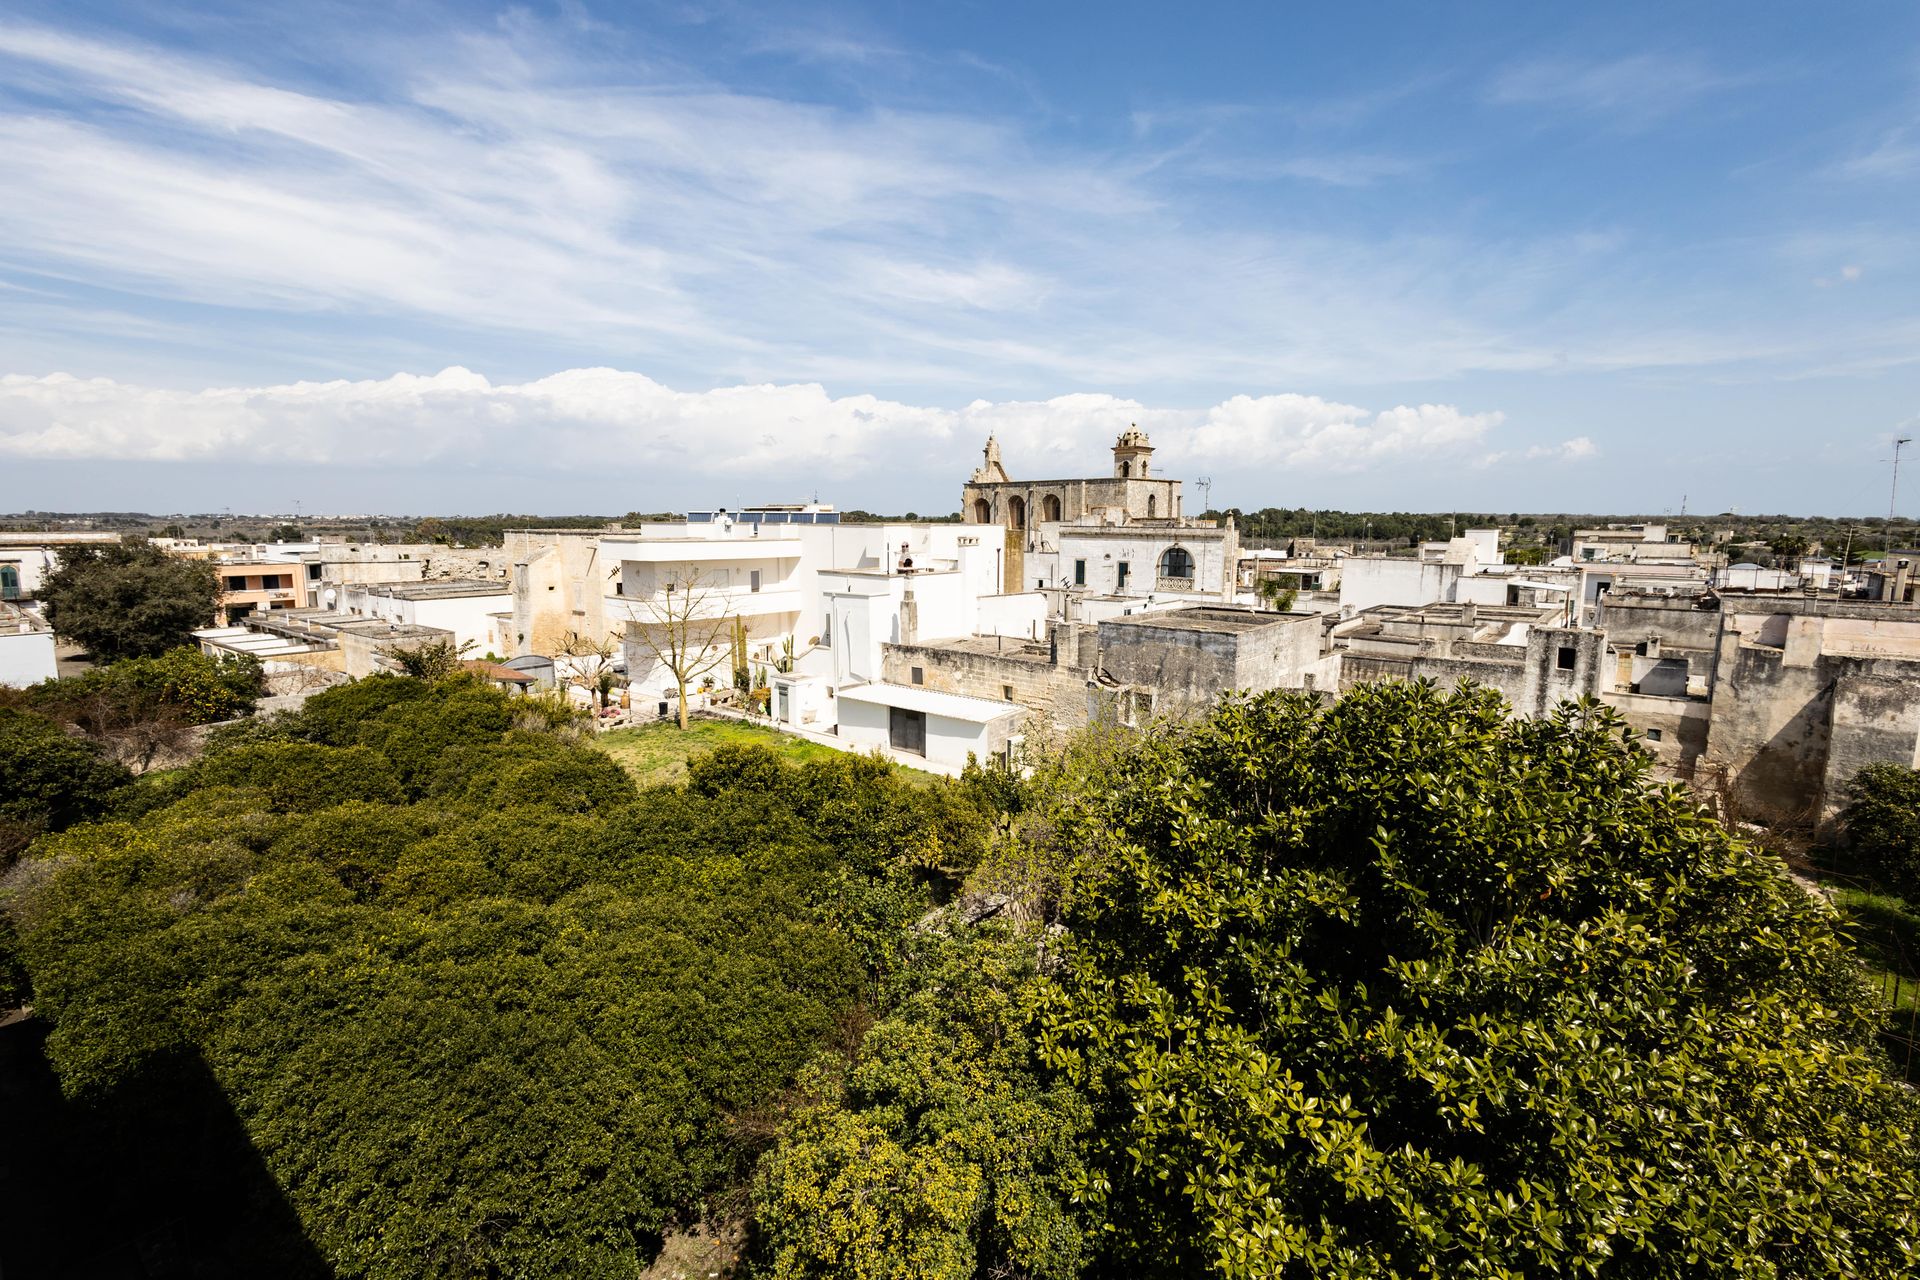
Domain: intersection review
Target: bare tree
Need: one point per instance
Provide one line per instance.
(685, 626)
(589, 663)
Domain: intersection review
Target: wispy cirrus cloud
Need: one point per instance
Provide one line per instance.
(654, 213)
(1895, 155)
(1632, 91)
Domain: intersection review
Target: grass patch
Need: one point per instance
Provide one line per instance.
(657, 754)
(1885, 933)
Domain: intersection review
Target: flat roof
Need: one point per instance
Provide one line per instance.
(13, 617)
(953, 706)
(1208, 619)
(1156, 528)
(1010, 648)
(262, 644)
(449, 589)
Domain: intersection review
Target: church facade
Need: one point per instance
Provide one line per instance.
(1122, 536)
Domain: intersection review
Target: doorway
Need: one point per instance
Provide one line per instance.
(907, 730)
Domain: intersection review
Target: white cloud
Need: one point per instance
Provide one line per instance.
(1895, 156)
(637, 211)
(1577, 449)
(612, 420)
(1631, 91)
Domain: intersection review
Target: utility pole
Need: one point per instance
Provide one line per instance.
(1893, 496)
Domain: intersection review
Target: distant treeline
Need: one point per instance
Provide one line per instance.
(1785, 534)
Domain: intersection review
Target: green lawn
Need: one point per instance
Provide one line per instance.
(657, 754)
(1885, 932)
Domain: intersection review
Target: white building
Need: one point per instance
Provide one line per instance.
(803, 588)
(465, 607)
(943, 729)
(26, 648)
(27, 558)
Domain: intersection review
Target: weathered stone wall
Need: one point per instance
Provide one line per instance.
(1191, 667)
(1547, 683)
(1057, 692)
(1681, 723)
(1627, 620)
(1875, 720)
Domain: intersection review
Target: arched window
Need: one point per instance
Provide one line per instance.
(1126, 468)
(1016, 513)
(982, 511)
(1153, 504)
(1176, 563)
(1050, 507)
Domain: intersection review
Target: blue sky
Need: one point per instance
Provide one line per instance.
(596, 257)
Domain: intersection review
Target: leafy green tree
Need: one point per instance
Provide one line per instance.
(128, 599)
(48, 780)
(1882, 822)
(301, 777)
(1399, 987)
(943, 1151)
(143, 708)
(1408, 988)
(185, 684)
(481, 1007)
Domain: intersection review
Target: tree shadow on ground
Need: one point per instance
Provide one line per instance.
(156, 1183)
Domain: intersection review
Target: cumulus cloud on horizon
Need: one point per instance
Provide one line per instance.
(614, 419)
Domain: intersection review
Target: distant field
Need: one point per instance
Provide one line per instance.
(657, 754)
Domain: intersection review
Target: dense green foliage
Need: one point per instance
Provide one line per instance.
(1391, 987)
(182, 685)
(1409, 528)
(943, 1151)
(128, 599)
(48, 780)
(483, 1007)
(1394, 988)
(1882, 821)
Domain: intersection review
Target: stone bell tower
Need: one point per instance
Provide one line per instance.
(1131, 455)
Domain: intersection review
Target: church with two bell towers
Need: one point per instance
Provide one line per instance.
(1132, 495)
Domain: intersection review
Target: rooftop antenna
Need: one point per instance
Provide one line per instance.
(1206, 494)
(1893, 494)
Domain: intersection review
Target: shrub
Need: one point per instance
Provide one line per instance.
(1882, 822)
(48, 780)
(299, 777)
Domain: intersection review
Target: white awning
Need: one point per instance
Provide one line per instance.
(951, 705)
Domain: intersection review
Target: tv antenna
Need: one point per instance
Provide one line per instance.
(1206, 494)
(1893, 493)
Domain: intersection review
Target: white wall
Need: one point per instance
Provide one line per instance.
(26, 657)
(1486, 544)
(1014, 615)
(867, 725)
(1366, 582)
(946, 610)
(1140, 547)
(863, 725)
(469, 618)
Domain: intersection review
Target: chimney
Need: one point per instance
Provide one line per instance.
(909, 618)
